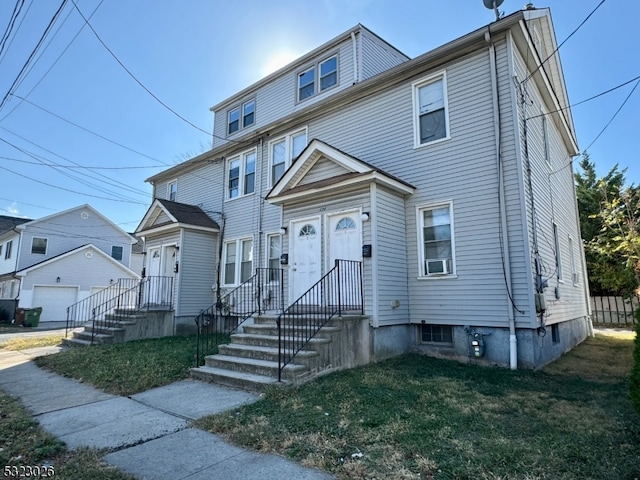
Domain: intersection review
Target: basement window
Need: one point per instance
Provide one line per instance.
(555, 333)
(436, 333)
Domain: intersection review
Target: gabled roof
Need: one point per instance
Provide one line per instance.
(86, 206)
(88, 246)
(8, 223)
(340, 171)
(164, 214)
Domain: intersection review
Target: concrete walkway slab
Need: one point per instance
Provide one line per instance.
(112, 424)
(196, 454)
(193, 399)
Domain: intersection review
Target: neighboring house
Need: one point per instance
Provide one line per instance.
(137, 255)
(56, 261)
(449, 176)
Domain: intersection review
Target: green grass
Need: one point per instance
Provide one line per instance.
(126, 368)
(419, 417)
(24, 443)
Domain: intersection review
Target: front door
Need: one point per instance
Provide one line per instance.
(345, 243)
(305, 264)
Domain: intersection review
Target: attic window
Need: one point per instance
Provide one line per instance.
(318, 78)
(116, 252)
(248, 113)
(39, 245)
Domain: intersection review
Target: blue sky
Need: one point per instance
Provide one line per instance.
(194, 53)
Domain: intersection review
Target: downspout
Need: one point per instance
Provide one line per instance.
(15, 269)
(354, 44)
(506, 264)
(260, 202)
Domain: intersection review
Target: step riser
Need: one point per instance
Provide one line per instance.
(271, 341)
(308, 358)
(86, 337)
(266, 371)
(273, 330)
(229, 381)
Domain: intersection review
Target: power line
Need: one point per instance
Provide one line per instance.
(12, 20)
(133, 76)
(37, 47)
(92, 132)
(564, 41)
(77, 167)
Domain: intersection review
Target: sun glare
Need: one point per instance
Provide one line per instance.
(277, 60)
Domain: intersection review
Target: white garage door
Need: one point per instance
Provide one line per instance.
(54, 302)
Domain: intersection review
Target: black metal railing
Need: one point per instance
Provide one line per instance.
(260, 293)
(129, 293)
(338, 292)
(149, 293)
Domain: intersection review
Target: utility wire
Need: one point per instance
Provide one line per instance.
(92, 132)
(33, 52)
(133, 76)
(12, 20)
(563, 42)
(77, 167)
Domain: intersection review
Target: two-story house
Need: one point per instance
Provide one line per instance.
(58, 260)
(448, 176)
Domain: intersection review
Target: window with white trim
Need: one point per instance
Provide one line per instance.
(283, 151)
(572, 258)
(545, 139)
(1, 248)
(241, 117)
(7, 250)
(435, 232)
(238, 261)
(318, 78)
(39, 245)
(241, 175)
(172, 190)
(556, 241)
(431, 118)
(116, 252)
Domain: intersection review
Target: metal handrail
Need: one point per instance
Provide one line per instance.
(215, 324)
(338, 291)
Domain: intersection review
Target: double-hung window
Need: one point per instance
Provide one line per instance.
(172, 190)
(7, 251)
(273, 256)
(39, 245)
(431, 119)
(556, 241)
(318, 78)
(240, 117)
(241, 175)
(435, 232)
(238, 261)
(116, 252)
(284, 150)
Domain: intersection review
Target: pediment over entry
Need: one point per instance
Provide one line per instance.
(321, 169)
(165, 214)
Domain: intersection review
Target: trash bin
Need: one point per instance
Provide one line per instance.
(19, 316)
(32, 316)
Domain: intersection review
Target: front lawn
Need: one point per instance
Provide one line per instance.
(419, 417)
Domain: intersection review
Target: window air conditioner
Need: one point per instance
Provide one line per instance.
(437, 267)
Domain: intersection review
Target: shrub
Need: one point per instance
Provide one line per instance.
(634, 384)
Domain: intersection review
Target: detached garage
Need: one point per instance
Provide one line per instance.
(61, 281)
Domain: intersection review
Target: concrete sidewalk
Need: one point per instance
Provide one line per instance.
(148, 435)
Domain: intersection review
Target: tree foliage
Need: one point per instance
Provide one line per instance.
(610, 226)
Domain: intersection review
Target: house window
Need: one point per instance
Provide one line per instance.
(116, 252)
(572, 257)
(436, 240)
(238, 261)
(318, 78)
(284, 150)
(431, 121)
(242, 116)
(1, 249)
(172, 190)
(39, 245)
(555, 333)
(242, 175)
(556, 241)
(436, 333)
(273, 256)
(7, 250)
(233, 120)
(545, 139)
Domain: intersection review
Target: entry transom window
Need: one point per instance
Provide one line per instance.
(436, 240)
(307, 230)
(431, 120)
(345, 223)
(39, 245)
(238, 261)
(318, 78)
(241, 175)
(283, 150)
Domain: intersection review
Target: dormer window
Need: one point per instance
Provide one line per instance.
(318, 78)
(240, 117)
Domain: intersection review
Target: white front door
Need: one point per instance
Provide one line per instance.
(305, 264)
(154, 262)
(345, 237)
